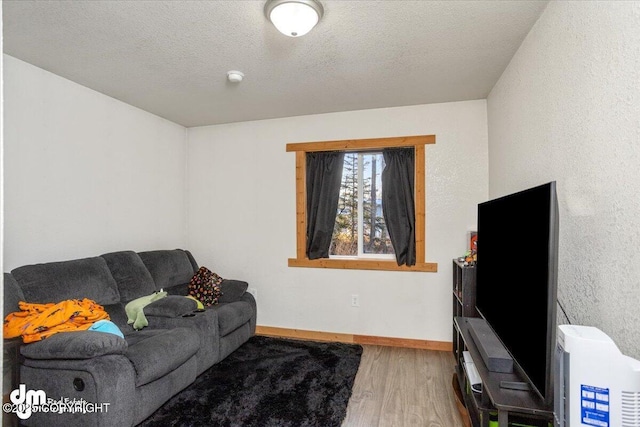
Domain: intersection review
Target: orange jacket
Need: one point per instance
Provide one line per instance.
(35, 322)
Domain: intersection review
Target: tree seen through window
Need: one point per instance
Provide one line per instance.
(360, 229)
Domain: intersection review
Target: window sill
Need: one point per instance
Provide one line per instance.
(362, 264)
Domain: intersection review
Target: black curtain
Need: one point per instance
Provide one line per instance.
(398, 206)
(324, 175)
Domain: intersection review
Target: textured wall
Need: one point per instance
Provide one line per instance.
(85, 174)
(241, 216)
(567, 108)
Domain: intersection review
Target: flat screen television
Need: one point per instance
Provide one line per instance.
(517, 263)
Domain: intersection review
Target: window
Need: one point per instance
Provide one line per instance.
(360, 230)
(360, 237)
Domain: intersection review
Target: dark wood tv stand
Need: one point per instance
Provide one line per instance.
(522, 406)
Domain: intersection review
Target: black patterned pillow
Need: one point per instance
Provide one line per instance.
(205, 286)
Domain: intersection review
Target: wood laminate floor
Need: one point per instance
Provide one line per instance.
(403, 387)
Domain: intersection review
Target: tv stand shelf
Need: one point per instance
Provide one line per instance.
(525, 405)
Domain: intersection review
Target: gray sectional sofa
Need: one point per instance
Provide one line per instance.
(139, 373)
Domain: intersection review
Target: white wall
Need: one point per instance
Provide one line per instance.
(85, 174)
(567, 108)
(241, 216)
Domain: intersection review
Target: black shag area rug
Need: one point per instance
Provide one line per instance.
(268, 382)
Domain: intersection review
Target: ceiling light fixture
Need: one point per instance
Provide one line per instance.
(293, 18)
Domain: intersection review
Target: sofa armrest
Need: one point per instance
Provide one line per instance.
(100, 380)
(232, 290)
(75, 345)
(171, 306)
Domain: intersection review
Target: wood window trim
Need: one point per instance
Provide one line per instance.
(418, 142)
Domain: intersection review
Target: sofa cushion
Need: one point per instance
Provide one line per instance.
(75, 345)
(168, 267)
(182, 289)
(192, 260)
(12, 294)
(171, 306)
(232, 315)
(57, 281)
(156, 352)
(131, 275)
(232, 290)
(118, 315)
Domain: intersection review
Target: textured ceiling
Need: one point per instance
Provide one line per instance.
(171, 57)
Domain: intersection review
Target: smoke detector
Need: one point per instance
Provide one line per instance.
(235, 76)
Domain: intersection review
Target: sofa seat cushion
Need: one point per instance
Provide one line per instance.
(232, 315)
(155, 353)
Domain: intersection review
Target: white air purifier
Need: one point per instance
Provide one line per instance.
(595, 384)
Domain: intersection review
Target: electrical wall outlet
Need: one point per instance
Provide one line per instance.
(355, 301)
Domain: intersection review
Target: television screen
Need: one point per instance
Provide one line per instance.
(516, 278)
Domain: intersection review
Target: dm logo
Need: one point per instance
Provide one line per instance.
(24, 400)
